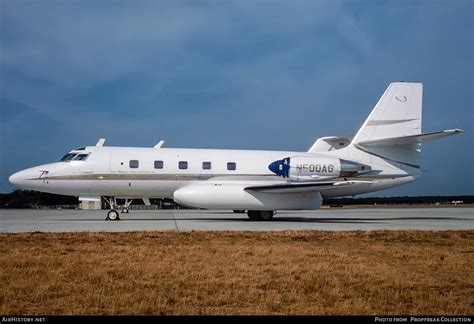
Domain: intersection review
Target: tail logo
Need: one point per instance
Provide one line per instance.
(404, 99)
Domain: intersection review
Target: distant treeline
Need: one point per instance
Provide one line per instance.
(418, 200)
(33, 199)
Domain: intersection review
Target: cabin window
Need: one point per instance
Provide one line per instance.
(182, 165)
(158, 164)
(133, 164)
(206, 165)
(81, 157)
(231, 166)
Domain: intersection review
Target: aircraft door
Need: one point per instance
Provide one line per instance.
(101, 172)
(82, 167)
(101, 163)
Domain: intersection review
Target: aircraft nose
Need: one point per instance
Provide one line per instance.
(25, 179)
(18, 178)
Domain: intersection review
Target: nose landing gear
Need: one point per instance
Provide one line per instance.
(112, 214)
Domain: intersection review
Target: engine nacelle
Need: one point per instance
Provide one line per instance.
(304, 168)
(314, 168)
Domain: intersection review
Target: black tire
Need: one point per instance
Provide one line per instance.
(124, 210)
(254, 215)
(260, 215)
(266, 215)
(113, 215)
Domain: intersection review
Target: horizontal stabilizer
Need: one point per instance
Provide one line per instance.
(411, 139)
(304, 187)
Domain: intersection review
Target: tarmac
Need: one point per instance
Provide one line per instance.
(333, 219)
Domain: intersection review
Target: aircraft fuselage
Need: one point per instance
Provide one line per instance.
(158, 173)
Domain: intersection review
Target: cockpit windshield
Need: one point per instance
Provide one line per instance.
(74, 157)
(68, 157)
(81, 157)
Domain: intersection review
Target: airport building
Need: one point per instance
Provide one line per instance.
(87, 205)
(138, 204)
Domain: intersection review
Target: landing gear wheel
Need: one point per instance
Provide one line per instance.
(263, 215)
(112, 215)
(253, 215)
(266, 215)
(124, 210)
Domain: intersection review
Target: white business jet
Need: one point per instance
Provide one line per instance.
(384, 153)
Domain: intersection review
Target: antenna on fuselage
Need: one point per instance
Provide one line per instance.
(100, 142)
(160, 144)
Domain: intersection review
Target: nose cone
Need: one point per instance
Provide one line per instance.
(19, 179)
(28, 178)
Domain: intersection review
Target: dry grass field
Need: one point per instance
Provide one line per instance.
(380, 272)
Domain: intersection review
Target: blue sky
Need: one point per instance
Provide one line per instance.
(231, 74)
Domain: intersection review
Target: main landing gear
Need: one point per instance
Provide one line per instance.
(260, 215)
(112, 214)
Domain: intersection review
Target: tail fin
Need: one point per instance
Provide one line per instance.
(393, 129)
(396, 114)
